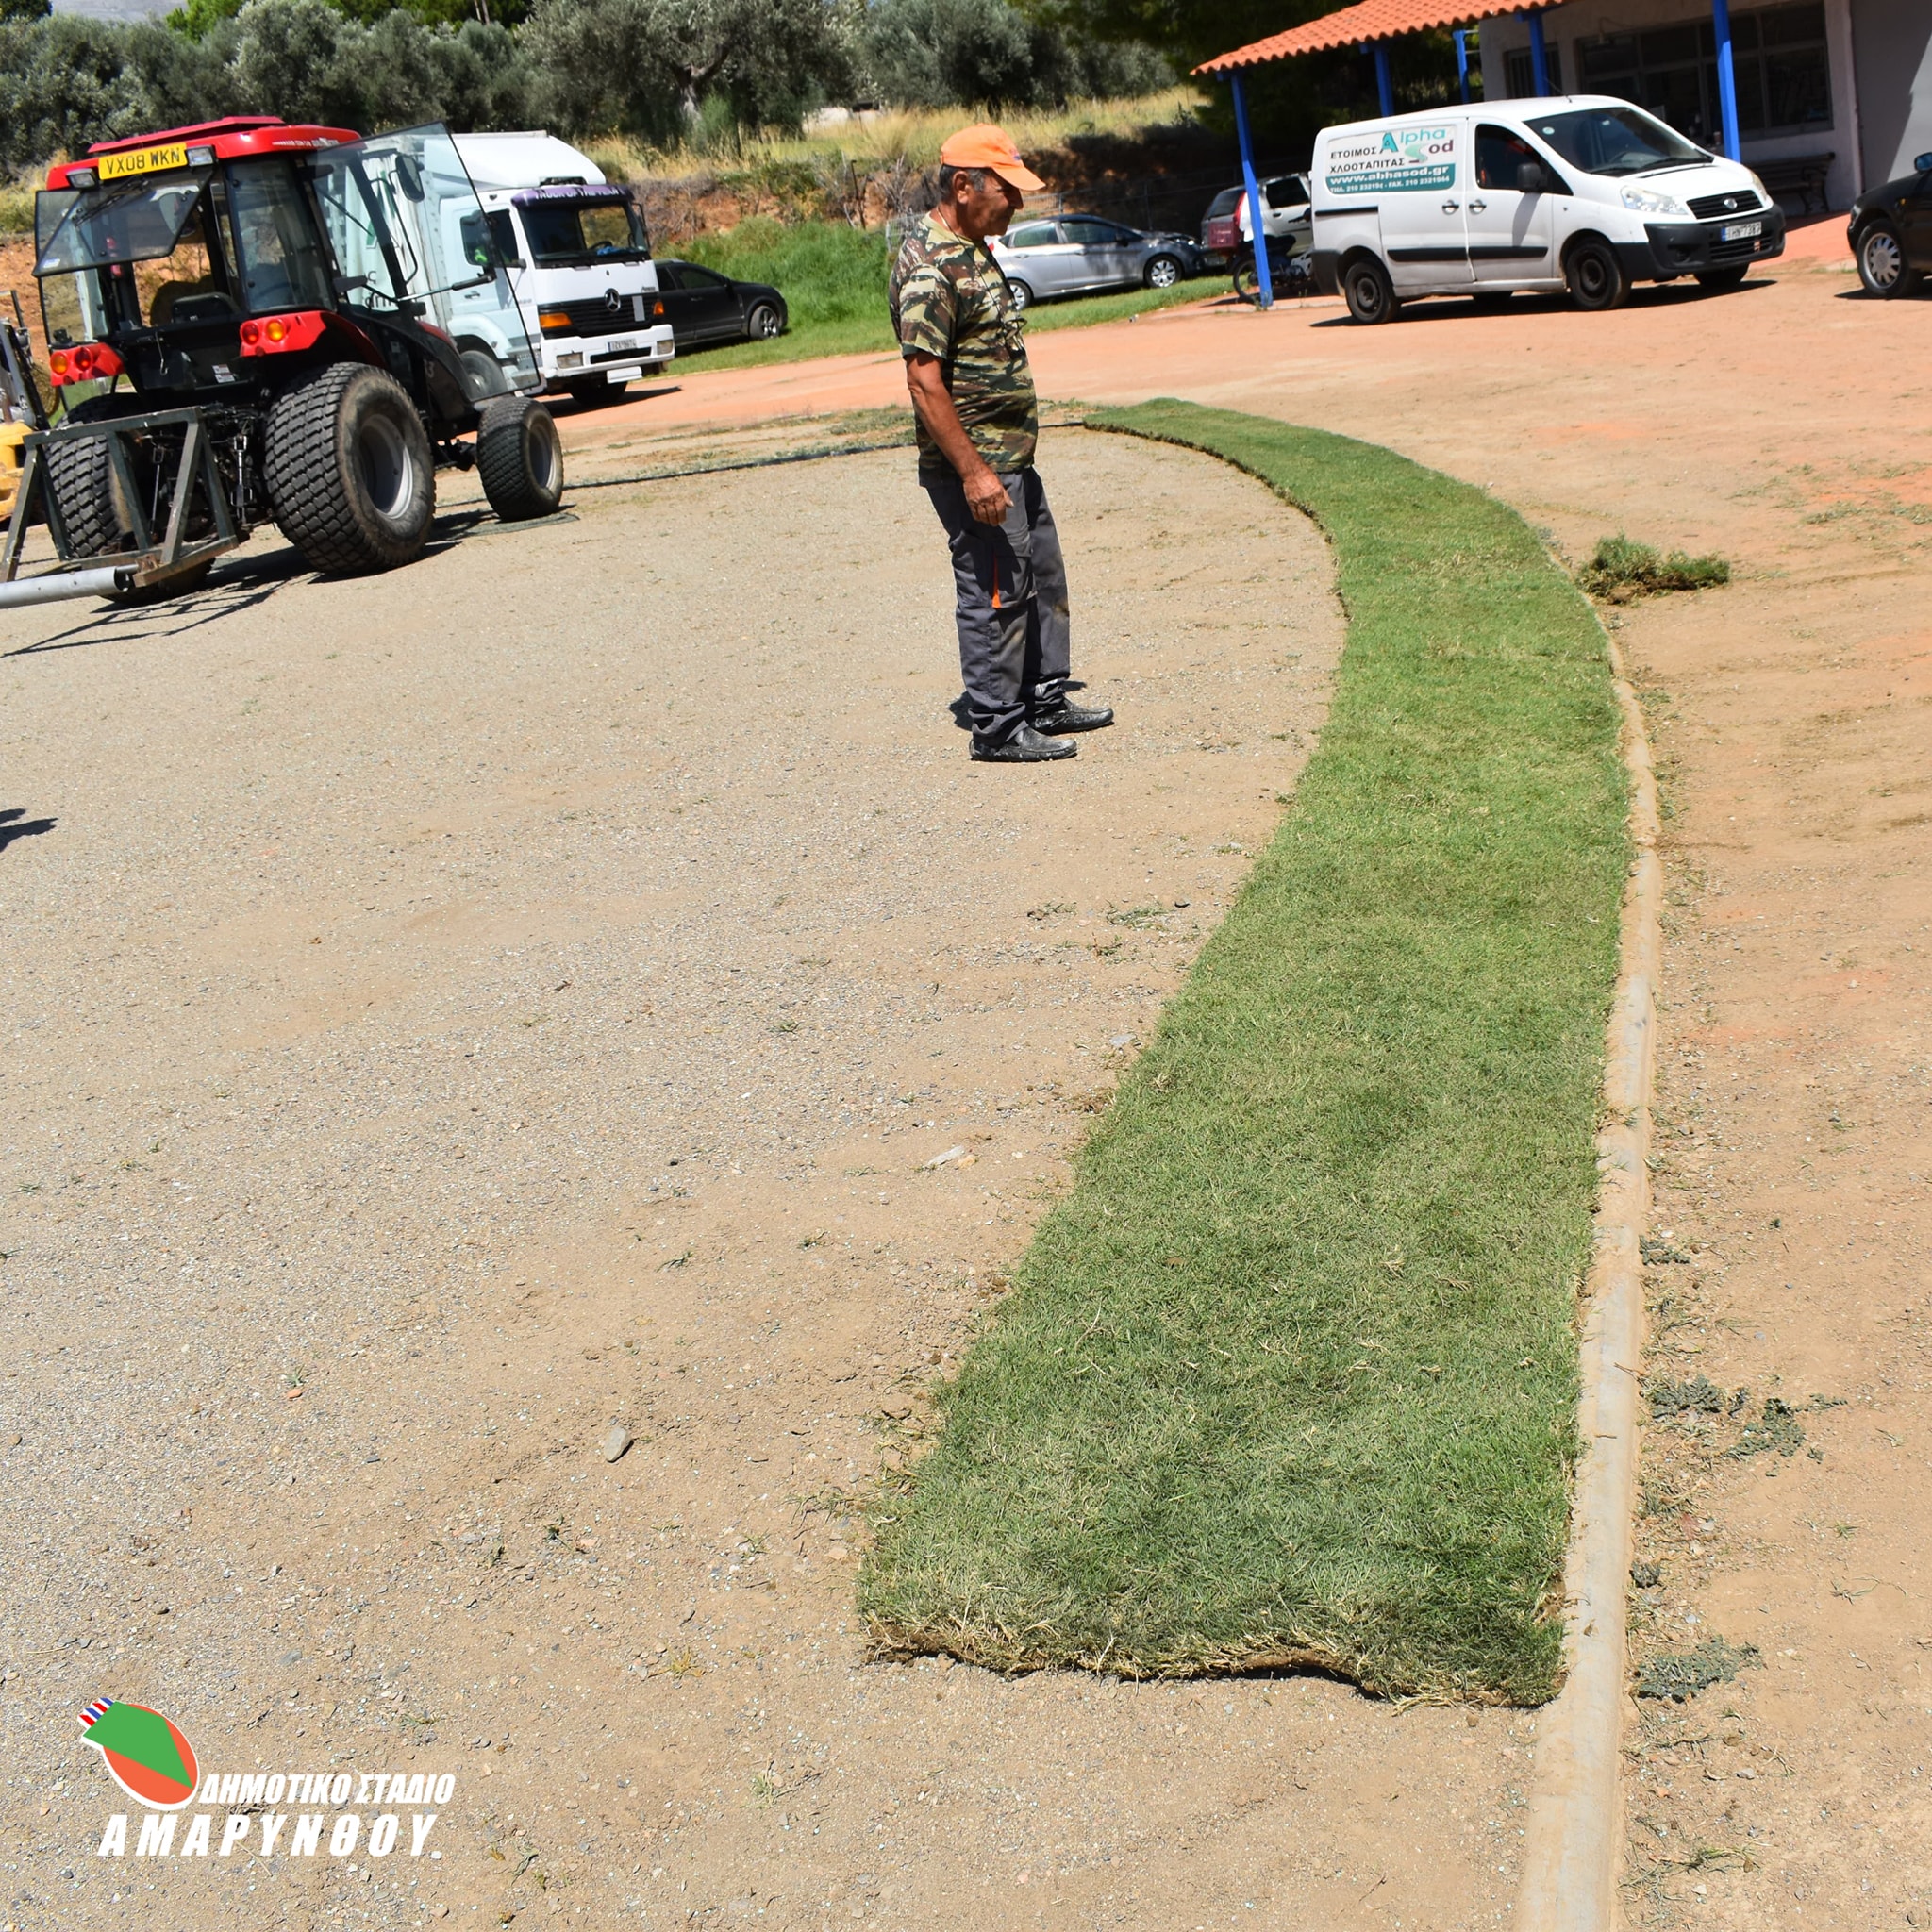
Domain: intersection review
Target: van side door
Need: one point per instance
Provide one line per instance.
(1510, 231)
(1421, 183)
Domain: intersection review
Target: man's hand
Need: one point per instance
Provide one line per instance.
(986, 496)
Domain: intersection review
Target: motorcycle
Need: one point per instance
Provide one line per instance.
(1292, 276)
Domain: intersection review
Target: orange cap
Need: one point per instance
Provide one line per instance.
(987, 146)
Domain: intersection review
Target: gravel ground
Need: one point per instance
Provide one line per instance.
(453, 1012)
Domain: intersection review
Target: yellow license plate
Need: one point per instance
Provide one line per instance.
(142, 161)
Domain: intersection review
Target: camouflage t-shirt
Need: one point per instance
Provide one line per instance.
(949, 300)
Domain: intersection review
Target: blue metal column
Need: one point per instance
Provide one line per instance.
(1462, 63)
(1726, 77)
(1385, 85)
(1264, 282)
(1538, 58)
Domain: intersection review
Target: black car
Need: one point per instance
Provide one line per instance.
(706, 308)
(1891, 232)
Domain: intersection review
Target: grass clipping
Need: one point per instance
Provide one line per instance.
(1621, 571)
(1290, 1378)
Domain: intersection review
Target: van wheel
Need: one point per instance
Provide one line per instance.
(1371, 294)
(1596, 276)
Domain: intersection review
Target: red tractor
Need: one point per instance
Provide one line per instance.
(269, 309)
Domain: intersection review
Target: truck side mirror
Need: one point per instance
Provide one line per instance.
(1531, 178)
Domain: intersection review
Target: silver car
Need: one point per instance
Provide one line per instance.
(1072, 254)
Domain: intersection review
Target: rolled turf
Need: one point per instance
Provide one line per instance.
(1289, 1377)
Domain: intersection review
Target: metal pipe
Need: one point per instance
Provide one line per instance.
(115, 580)
(1264, 282)
(1726, 78)
(1538, 57)
(1385, 84)
(1462, 63)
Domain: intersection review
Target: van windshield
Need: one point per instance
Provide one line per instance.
(570, 227)
(1616, 140)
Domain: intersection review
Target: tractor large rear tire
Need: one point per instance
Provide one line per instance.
(520, 458)
(80, 475)
(349, 471)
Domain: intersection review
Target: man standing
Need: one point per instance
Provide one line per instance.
(965, 350)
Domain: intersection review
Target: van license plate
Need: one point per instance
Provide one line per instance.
(622, 342)
(1740, 231)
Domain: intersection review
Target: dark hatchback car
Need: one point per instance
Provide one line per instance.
(704, 307)
(1891, 232)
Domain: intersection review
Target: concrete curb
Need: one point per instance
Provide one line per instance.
(1576, 1832)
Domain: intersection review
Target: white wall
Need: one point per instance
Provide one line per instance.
(1893, 41)
(1582, 21)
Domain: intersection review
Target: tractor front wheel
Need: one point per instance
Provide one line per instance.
(349, 471)
(520, 458)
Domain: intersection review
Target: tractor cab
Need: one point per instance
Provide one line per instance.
(292, 323)
(196, 264)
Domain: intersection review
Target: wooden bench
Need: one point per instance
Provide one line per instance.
(1800, 174)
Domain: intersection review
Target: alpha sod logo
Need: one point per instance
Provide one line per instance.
(144, 1753)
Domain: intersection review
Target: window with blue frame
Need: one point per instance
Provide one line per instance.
(1778, 55)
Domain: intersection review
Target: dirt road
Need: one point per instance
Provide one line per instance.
(1783, 427)
(454, 1011)
(376, 967)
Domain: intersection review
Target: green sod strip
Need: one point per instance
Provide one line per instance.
(1290, 1378)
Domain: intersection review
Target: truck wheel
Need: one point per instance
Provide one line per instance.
(349, 471)
(1371, 294)
(520, 458)
(597, 394)
(1595, 275)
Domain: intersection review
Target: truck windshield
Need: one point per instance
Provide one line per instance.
(1616, 140)
(569, 228)
(129, 221)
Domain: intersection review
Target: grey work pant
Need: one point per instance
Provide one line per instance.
(1011, 582)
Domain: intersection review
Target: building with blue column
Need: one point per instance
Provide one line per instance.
(1824, 97)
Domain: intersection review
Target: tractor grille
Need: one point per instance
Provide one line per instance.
(1711, 207)
(595, 317)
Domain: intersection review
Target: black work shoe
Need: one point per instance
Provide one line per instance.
(1025, 747)
(1067, 716)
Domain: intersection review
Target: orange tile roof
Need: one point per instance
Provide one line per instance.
(1370, 19)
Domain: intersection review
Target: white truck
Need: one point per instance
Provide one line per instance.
(575, 250)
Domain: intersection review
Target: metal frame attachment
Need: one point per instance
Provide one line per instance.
(151, 562)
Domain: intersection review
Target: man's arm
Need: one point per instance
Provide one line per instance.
(986, 496)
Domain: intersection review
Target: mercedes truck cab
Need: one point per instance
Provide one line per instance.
(578, 260)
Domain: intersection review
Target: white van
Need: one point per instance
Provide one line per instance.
(578, 262)
(1577, 191)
